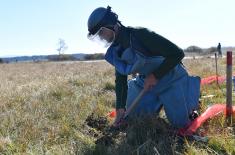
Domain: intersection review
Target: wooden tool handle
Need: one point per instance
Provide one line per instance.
(134, 103)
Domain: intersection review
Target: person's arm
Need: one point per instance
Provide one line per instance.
(121, 95)
(121, 90)
(160, 46)
(169, 63)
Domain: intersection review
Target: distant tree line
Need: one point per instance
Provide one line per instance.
(61, 57)
(100, 56)
(67, 57)
(96, 56)
(198, 50)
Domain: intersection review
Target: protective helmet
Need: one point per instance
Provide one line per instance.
(101, 17)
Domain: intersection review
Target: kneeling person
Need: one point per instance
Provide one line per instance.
(158, 64)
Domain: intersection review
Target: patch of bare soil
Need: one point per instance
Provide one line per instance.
(105, 136)
(99, 123)
(144, 136)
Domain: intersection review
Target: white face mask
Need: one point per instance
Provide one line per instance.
(103, 36)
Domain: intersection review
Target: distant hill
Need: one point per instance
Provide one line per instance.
(190, 51)
(195, 50)
(77, 56)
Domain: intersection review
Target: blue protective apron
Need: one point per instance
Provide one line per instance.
(177, 92)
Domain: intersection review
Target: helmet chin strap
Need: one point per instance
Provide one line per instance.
(109, 42)
(114, 37)
(115, 28)
(114, 31)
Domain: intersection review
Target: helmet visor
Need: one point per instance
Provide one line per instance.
(104, 36)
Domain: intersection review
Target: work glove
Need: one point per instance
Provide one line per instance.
(119, 116)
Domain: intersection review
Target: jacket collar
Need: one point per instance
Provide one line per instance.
(123, 37)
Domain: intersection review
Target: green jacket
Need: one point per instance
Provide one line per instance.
(156, 46)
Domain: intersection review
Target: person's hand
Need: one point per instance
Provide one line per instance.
(150, 82)
(119, 115)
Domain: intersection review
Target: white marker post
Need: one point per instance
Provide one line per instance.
(229, 89)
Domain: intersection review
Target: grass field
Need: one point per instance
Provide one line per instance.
(60, 108)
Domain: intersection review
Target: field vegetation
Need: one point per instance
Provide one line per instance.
(62, 107)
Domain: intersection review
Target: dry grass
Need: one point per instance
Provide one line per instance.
(43, 107)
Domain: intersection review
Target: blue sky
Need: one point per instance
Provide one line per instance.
(33, 27)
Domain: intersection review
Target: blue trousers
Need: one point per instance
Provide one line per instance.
(179, 99)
